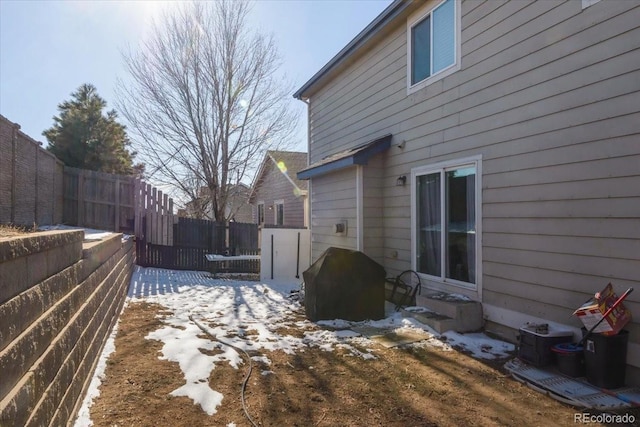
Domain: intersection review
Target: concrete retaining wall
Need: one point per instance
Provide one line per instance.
(59, 298)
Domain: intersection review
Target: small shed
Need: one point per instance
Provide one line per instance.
(344, 284)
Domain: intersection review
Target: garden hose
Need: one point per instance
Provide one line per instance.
(239, 350)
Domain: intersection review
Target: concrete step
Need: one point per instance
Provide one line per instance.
(466, 314)
(435, 321)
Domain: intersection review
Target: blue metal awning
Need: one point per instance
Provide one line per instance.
(355, 156)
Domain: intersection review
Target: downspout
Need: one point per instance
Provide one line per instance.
(309, 184)
(359, 208)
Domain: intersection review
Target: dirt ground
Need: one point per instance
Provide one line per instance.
(402, 387)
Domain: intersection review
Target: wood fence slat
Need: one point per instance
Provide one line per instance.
(162, 223)
(147, 231)
(154, 219)
(167, 222)
(147, 198)
(136, 207)
(80, 215)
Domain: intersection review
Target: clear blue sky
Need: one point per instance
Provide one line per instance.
(49, 48)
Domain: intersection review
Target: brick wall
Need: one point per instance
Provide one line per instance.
(55, 319)
(30, 179)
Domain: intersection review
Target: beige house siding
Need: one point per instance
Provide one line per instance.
(547, 95)
(333, 200)
(244, 214)
(274, 186)
(372, 211)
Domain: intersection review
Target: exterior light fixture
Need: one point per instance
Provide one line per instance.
(401, 181)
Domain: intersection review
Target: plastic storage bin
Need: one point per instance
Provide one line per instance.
(605, 359)
(536, 340)
(570, 358)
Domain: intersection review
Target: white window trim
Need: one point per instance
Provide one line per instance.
(419, 16)
(275, 211)
(588, 3)
(434, 281)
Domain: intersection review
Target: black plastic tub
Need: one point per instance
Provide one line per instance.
(536, 340)
(570, 359)
(605, 359)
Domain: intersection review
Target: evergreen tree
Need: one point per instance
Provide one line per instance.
(83, 137)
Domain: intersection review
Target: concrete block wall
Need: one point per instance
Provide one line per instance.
(59, 298)
(31, 179)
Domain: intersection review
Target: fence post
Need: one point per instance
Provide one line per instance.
(227, 240)
(136, 207)
(116, 220)
(80, 198)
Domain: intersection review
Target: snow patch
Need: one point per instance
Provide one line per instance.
(89, 233)
(83, 418)
(480, 345)
(256, 316)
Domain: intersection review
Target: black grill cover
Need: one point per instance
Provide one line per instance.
(344, 284)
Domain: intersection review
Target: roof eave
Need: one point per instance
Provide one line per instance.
(358, 158)
(327, 167)
(258, 177)
(387, 15)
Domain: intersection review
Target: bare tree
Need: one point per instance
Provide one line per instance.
(204, 102)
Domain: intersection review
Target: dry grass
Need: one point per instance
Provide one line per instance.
(9, 230)
(402, 387)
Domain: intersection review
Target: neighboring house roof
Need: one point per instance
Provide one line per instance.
(239, 192)
(395, 9)
(354, 156)
(233, 189)
(293, 161)
(237, 195)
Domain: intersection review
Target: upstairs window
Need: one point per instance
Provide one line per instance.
(279, 212)
(261, 213)
(432, 39)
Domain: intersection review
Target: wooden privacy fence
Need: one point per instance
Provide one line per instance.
(98, 200)
(126, 204)
(153, 213)
(195, 238)
(118, 203)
